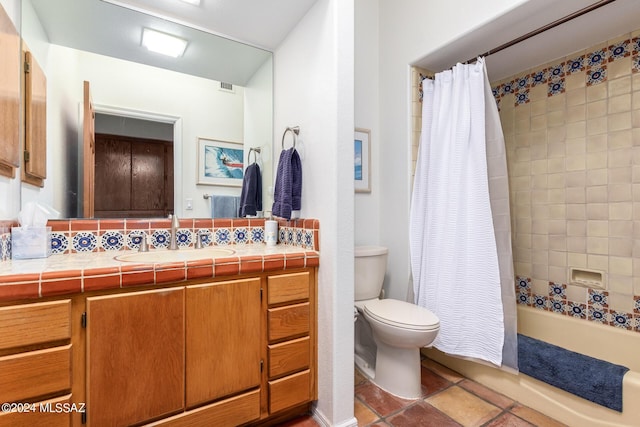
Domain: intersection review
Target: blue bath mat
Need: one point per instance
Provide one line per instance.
(587, 377)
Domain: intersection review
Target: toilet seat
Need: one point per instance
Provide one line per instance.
(402, 314)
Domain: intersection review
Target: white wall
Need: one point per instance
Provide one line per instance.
(10, 187)
(258, 125)
(313, 86)
(367, 115)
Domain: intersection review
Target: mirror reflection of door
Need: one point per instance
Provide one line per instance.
(133, 168)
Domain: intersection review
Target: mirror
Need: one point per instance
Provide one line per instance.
(219, 89)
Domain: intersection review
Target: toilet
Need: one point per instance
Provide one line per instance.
(388, 333)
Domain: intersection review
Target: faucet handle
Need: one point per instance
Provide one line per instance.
(198, 244)
(144, 245)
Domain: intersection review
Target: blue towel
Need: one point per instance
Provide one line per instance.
(224, 206)
(251, 196)
(288, 189)
(592, 379)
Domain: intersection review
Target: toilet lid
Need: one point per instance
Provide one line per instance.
(402, 314)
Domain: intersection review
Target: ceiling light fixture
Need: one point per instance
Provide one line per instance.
(193, 2)
(163, 43)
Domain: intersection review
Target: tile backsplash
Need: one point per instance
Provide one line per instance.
(89, 235)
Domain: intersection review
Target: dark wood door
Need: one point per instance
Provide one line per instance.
(133, 177)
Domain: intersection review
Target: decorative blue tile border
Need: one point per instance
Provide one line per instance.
(595, 310)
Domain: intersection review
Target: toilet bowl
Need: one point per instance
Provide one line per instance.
(389, 332)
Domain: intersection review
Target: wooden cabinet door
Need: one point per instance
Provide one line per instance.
(9, 96)
(223, 339)
(135, 356)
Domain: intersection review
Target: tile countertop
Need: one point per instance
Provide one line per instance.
(83, 272)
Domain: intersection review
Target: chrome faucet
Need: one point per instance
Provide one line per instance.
(175, 224)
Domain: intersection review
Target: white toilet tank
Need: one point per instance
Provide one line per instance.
(370, 267)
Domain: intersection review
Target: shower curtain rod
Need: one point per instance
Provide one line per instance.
(544, 28)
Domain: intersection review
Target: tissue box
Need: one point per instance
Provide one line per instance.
(32, 242)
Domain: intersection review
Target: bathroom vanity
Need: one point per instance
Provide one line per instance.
(218, 341)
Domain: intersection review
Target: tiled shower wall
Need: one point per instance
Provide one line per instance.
(572, 132)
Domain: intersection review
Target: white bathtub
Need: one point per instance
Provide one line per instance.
(603, 342)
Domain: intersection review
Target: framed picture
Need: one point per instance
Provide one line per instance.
(220, 162)
(362, 160)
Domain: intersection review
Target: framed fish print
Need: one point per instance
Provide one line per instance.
(220, 162)
(362, 160)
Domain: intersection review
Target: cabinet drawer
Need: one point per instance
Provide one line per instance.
(288, 287)
(45, 415)
(29, 324)
(229, 412)
(35, 373)
(289, 391)
(289, 321)
(288, 357)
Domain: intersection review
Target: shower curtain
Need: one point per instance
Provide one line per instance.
(460, 227)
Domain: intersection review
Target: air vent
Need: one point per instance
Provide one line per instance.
(227, 87)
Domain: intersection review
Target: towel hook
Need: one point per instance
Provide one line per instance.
(295, 131)
(255, 152)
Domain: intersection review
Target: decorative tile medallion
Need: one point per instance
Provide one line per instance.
(205, 236)
(596, 314)
(622, 320)
(59, 243)
(557, 290)
(577, 310)
(596, 75)
(556, 72)
(598, 298)
(523, 82)
(184, 237)
(223, 236)
(161, 238)
(241, 236)
(635, 45)
(522, 97)
(619, 50)
(257, 234)
(540, 302)
(308, 239)
(539, 77)
(636, 304)
(575, 65)
(506, 88)
(635, 64)
(84, 242)
(556, 87)
(523, 298)
(523, 283)
(596, 58)
(134, 238)
(112, 241)
(557, 306)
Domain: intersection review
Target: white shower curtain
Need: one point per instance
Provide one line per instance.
(460, 232)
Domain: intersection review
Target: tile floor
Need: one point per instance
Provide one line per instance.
(449, 400)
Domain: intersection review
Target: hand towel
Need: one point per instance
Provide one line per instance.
(224, 206)
(251, 195)
(288, 188)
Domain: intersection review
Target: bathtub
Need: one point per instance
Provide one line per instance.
(603, 342)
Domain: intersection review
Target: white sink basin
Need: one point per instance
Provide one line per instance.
(180, 255)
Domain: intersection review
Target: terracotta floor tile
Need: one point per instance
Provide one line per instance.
(535, 417)
(509, 420)
(421, 414)
(486, 393)
(443, 371)
(464, 407)
(363, 414)
(380, 401)
(432, 382)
